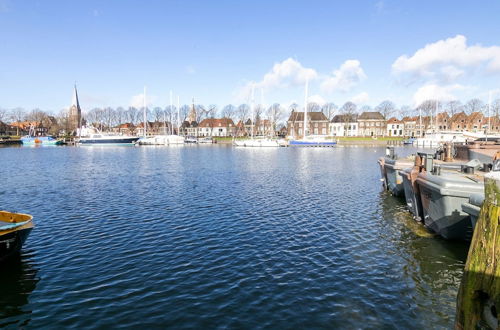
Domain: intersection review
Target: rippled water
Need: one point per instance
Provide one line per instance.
(217, 237)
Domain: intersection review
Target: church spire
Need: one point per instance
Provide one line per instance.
(75, 112)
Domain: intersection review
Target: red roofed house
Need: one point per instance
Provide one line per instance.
(216, 127)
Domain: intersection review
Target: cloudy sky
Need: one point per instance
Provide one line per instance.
(215, 51)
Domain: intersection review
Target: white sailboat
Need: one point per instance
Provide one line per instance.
(162, 139)
(310, 140)
(257, 141)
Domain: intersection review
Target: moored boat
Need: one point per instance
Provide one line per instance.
(14, 230)
(442, 194)
(313, 141)
(92, 136)
(391, 167)
(259, 142)
(473, 207)
(161, 140)
(40, 140)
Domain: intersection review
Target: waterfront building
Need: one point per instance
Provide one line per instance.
(395, 127)
(371, 124)
(8, 130)
(125, 129)
(459, 122)
(344, 125)
(317, 122)
(189, 128)
(475, 122)
(222, 127)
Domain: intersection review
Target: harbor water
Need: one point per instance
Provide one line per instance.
(219, 237)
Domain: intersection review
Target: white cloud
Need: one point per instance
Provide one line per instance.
(436, 92)
(317, 99)
(137, 101)
(345, 78)
(284, 74)
(96, 13)
(361, 98)
(446, 59)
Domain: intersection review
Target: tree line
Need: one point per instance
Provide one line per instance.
(276, 113)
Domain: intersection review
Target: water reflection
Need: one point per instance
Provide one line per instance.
(432, 266)
(18, 279)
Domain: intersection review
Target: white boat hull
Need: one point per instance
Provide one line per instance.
(161, 140)
(259, 143)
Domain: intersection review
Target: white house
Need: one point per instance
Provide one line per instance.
(344, 125)
(395, 127)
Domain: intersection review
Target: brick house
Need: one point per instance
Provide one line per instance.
(475, 122)
(458, 122)
(372, 124)
(317, 124)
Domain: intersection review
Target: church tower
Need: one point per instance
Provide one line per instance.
(75, 113)
(192, 114)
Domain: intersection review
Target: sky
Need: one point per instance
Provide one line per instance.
(217, 52)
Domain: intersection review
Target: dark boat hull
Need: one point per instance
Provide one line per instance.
(12, 242)
(110, 141)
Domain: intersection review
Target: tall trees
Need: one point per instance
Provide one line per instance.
(453, 107)
(329, 109)
(386, 108)
(473, 105)
(348, 110)
(229, 111)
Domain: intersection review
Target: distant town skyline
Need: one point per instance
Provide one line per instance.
(364, 52)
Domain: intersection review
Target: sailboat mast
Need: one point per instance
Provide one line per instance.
(420, 117)
(171, 106)
(437, 105)
(305, 107)
(252, 110)
(145, 115)
(178, 115)
(489, 117)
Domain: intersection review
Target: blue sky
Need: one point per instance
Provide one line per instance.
(215, 50)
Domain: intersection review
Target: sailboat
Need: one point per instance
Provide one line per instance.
(257, 141)
(310, 140)
(164, 139)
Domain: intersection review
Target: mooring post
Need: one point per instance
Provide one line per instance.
(478, 301)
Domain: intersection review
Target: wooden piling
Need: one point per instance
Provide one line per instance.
(478, 301)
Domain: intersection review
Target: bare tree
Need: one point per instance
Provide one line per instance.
(405, 111)
(229, 111)
(329, 109)
(495, 107)
(119, 115)
(473, 105)
(131, 115)
(17, 115)
(348, 110)
(158, 114)
(427, 107)
(241, 115)
(453, 107)
(275, 112)
(313, 107)
(386, 108)
(3, 114)
(184, 112)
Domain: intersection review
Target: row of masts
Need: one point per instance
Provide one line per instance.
(164, 114)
